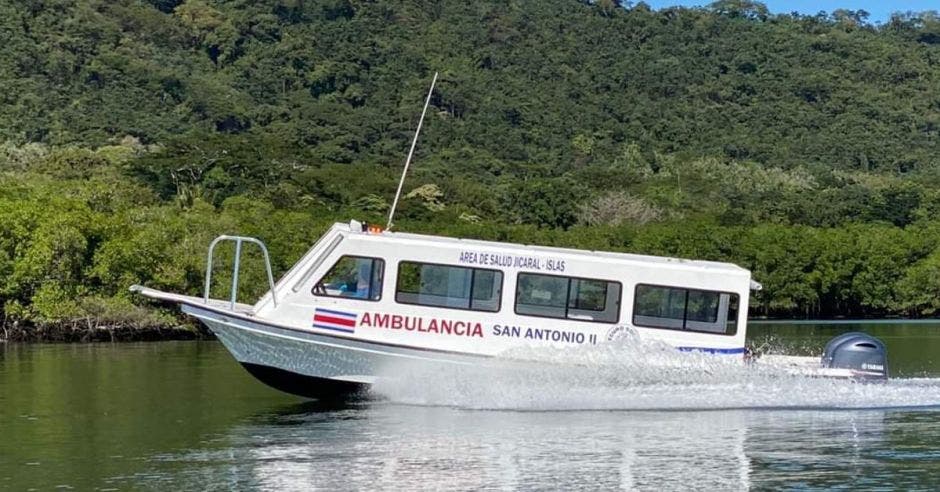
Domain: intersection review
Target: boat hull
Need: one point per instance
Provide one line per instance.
(309, 364)
(305, 386)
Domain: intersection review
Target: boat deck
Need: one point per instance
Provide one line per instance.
(219, 304)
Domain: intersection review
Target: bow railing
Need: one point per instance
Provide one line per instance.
(238, 253)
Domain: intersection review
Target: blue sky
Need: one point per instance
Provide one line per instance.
(880, 10)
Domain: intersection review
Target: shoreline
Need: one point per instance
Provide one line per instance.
(120, 333)
(113, 334)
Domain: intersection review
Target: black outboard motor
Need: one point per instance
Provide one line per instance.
(860, 352)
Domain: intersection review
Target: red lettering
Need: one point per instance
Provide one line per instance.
(414, 323)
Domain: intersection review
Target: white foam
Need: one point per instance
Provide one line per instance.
(632, 375)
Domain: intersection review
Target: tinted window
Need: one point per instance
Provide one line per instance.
(553, 296)
(685, 309)
(590, 295)
(702, 306)
(353, 277)
(487, 290)
(448, 286)
(660, 302)
(542, 295)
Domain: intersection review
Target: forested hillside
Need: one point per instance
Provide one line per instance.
(806, 148)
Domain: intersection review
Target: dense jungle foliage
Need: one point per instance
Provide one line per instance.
(806, 148)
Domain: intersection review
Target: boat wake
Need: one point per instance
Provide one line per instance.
(638, 376)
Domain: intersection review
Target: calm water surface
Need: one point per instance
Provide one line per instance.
(185, 416)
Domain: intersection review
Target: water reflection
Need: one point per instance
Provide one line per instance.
(387, 446)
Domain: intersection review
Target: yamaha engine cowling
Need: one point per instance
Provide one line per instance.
(864, 354)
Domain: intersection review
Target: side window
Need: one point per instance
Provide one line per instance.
(660, 307)
(587, 295)
(487, 290)
(449, 286)
(542, 295)
(685, 309)
(552, 296)
(353, 277)
(702, 306)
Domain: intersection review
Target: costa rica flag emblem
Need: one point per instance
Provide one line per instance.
(331, 319)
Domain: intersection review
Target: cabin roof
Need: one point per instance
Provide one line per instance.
(715, 266)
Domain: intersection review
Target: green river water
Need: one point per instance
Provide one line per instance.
(186, 416)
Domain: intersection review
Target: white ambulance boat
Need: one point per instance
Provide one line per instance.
(362, 299)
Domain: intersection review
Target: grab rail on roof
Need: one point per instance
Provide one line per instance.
(238, 253)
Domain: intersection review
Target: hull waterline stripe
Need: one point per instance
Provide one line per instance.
(712, 350)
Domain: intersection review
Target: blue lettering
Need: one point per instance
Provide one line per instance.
(555, 265)
(544, 334)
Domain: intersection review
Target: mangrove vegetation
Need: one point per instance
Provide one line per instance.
(803, 147)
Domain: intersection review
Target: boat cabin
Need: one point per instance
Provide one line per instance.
(481, 297)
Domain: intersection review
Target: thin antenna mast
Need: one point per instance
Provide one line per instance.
(391, 213)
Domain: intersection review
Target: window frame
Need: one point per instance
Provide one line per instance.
(313, 290)
(568, 308)
(499, 298)
(685, 310)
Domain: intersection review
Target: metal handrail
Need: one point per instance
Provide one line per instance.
(238, 253)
